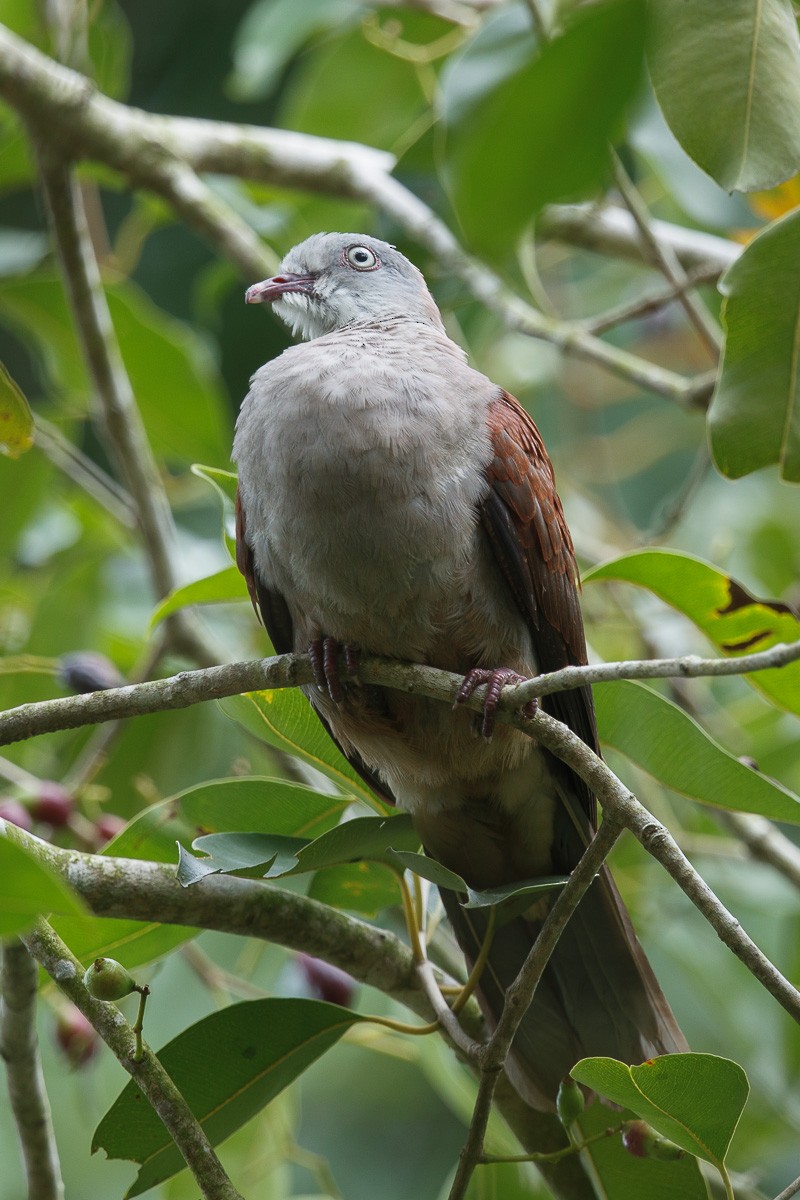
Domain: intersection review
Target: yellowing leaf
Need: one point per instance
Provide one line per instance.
(16, 420)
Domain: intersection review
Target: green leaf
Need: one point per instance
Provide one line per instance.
(28, 888)
(228, 1067)
(647, 728)
(627, 1178)
(363, 838)
(284, 718)
(225, 484)
(727, 77)
(754, 418)
(695, 1100)
(734, 621)
(16, 419)
(260, 805)
(223, 587)
(133, 943)
(163, 357)
(531, 887)
(362, 887)
(542, 134)
(427, 868)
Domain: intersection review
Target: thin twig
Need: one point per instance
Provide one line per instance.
(20, 1051)
(85, 473)
(765, 842)
(644, 306)
(666, 261)
(618, 802)
(792, 1190)
(57, 959)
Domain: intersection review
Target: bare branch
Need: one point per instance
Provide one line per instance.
(20, 1051)
(61, 965)
(157, 151)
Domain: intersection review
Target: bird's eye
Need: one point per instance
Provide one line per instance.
(361, 257)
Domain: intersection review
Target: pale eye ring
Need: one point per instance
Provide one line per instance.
(361, 258)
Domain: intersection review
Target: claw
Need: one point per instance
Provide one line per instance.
(324, 654)
(495, 681)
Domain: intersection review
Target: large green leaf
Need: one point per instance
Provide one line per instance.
(285, 719)
(669, 745)
(542, 134)
(727, 77)
(28, 888)
(754, 418)
(164, 358)
(228, 1067)
(695, 1100)
(734, 621)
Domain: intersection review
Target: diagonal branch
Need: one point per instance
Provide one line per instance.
(61, 965)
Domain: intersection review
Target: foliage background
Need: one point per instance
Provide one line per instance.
(385, 1116)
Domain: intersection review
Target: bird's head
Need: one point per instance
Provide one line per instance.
(336, 280)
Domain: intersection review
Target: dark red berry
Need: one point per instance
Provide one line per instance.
(107, 826)
(327, 981)
(76, 1036)
(52, 804)
(16, 814)
(642, 1141)
(88, 671)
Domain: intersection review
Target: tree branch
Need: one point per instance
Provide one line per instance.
(20, 1051)
(157, 151)
(288, 670)
(58, 960)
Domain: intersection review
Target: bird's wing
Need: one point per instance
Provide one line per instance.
(525, 525)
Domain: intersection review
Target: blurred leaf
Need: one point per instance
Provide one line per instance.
(754, 418)
(503, 44)
(284, 718)
(727, 77)
(223, 587)
(271, 33)
(543, 133)
(29, 889)
(225, 484)
(348, 88)
(626, 1178)
(734, 621)
(164, 358)
(228, 1067)
(669, 745)
(109, 46)
(133, 943)
(20, 249)
(16, 419)
(695, 1100)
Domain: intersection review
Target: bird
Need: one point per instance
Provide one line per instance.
(393, 501)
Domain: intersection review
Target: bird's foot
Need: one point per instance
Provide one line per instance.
(495, 681)
(324, 654)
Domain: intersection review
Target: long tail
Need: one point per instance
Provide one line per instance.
(598, 994)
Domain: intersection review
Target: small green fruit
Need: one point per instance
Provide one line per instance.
(106, 979)
(570, 1102)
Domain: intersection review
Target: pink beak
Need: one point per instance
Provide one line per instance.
(269, 289)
